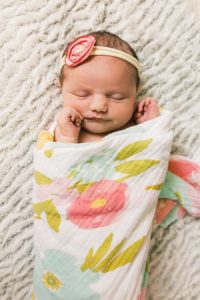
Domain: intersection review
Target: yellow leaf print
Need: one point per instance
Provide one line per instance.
(154, 187)
(102, 265)
(33, 296)
(132, 149)
(91, 260)
(43, 137)
(52, 215)
(125, 257)
(48, 153)
(81, 187)
(112, 261)
(41, 178)
(179, 198)
(135, 167)
(88, 260)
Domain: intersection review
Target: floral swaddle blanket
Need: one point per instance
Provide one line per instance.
(94, 205)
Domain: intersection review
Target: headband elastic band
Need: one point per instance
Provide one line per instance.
(100, 50)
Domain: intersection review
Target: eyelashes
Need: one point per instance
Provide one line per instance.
(112, 97)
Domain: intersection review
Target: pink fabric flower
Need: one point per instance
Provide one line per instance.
(79, 50)
(99, 205)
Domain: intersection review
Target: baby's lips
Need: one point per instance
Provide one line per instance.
(79, 50)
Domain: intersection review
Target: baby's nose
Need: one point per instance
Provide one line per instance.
(99, 103)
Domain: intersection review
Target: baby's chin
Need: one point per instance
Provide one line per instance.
(102, 129)
(96, 128)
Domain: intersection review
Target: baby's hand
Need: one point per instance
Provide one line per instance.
(147, 109)
(68, 125)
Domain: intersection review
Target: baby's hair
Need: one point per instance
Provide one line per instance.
(111, 40)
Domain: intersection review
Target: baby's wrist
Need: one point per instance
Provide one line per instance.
(59, 137)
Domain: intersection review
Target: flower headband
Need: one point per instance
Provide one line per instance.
(82, 47)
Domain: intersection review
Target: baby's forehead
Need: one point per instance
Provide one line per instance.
(103, 79)
(106, 66)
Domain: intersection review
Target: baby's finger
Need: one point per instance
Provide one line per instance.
(137, 113)
(78, 123)
(141, 106)
(148, 100)
(73, 116)
(78, 119)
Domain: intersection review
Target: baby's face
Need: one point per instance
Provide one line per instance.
(103, 90)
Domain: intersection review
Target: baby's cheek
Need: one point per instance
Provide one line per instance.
(80, 106)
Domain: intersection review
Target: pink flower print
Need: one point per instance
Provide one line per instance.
(98, 205)
(165, 207)
(57, 191)
(79, 50)
(142, 295)
(189, 172)
(186, 169)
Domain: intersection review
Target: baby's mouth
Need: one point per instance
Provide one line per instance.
(95, 119)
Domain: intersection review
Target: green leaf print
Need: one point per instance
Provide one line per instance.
(135, 167)
(132, 149)
(52, 215)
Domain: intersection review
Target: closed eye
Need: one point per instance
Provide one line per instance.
(117, 97)
(81, 95)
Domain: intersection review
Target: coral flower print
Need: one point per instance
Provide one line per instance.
(186, 169)
(189, 172)
(79, 50)
(98, 205)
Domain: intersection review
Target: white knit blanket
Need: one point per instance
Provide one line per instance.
(32, 37)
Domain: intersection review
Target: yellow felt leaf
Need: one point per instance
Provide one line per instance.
(102, 250)
(52, 215)
(135, 167)
(154, 187)
(41, 178)
(125, 257)
(132, 149)
(110, 256)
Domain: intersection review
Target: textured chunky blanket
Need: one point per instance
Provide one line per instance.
(32, 37)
